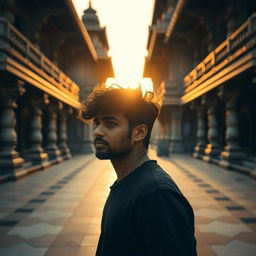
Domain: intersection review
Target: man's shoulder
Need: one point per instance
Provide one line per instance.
(157, 179)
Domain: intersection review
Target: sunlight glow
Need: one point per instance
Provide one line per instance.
(127, 23)
(145, 83)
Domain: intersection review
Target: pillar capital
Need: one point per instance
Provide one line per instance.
(230, 97)
(197, 105)
(38, 100)
(9, 94)
(210, 102)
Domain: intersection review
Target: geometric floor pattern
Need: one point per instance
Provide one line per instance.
(237, 248)
(223, 228)
(58, 211)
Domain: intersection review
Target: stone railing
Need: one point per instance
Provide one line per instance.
(20, 48)
(229, 47)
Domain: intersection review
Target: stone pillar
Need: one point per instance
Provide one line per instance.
(176, 141)
(65, 152)
(165, 132)
(212, 150)
(10, 159)
(201, 134)
(35, 151)
(87, 146)
(51, 137)
(232, 151)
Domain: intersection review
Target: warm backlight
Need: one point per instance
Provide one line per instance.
(145, 83)
(127, 23)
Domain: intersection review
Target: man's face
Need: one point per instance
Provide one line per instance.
(112, 138)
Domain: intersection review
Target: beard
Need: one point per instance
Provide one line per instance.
(108, 153)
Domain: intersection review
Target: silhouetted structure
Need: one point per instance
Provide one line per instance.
(202, 54)
(47, 61)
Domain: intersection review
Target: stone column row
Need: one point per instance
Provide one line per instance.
(56, 148)
(208, 130)
(9, 157)
(56, 136)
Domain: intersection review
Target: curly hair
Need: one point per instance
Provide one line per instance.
(138, 109)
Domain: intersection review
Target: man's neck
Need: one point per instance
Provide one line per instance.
(125, 165)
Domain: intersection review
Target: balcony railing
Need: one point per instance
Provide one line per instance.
(232, 46)
(19, 47)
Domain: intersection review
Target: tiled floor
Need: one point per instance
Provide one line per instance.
(58, 211)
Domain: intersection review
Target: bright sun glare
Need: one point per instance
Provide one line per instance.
(127, 24)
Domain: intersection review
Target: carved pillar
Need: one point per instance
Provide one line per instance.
(165, 132)
(201, 132)
(87, 140)
(212, 150)
(65, 152)
(232, 151)
(176, 140)
(51, 137)
(35, 151)
(10, 159)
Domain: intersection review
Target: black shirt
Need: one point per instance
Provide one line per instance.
(146, 215)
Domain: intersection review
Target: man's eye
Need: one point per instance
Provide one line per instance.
(111, 124)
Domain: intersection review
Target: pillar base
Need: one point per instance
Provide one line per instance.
(232, 153)
(65, 152)
(162, 147)
(54, 154)
(199, 151)
(212, 154)
(176, 147)
(212, 151)
(37, 156)
(9, 162)
(231, 156)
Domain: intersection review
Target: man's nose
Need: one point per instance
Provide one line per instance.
(98, 131)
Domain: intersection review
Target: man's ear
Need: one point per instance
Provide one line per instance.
(139, 132)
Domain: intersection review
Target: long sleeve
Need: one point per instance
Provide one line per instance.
(164, 224)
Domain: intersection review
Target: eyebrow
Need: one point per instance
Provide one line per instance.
(106, 118)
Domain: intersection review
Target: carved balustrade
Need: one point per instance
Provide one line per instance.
(232, 48)
(16, 45)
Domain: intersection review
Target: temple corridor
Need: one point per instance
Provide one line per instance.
(58, 211)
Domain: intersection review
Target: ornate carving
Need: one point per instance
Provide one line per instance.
(51, 136)
(65, 151)
(213, 148)
(86, 145)
(201, 130)
(9, 157)
(176, 140)
(232, 151)
(35, 151)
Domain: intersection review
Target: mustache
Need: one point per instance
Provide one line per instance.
(100, 140)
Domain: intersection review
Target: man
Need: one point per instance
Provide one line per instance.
(145, 213)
